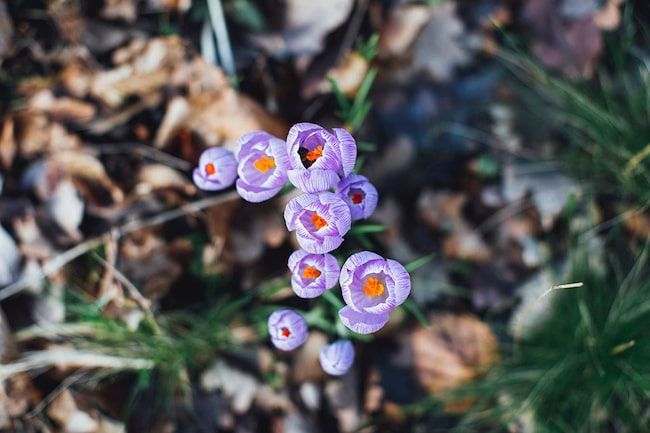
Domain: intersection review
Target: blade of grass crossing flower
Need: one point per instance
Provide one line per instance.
(418, 263)
(412, 308)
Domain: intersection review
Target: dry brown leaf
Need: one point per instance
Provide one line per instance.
(403, 26)
(7, 142)
(452, 352)
(443, 211)
(348, 75)
(638, 224)
(65, 207)
(218, 117)
(305, 28)
(609, 17)
(89, 176)
(64, 411)
(168, 5)
(152, 263)
(152, 177)
(436, 49)
(119, 9)
(567, 38)
(68, 19)
(62, 108)
(306, 364)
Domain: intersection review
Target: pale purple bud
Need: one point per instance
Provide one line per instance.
(360, 195)
(217, 169)
(288, 329)
(337, 358)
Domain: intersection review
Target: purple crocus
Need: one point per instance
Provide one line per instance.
(371, 287)
(337, 358)
(217, 169)
(312, 274)
(318, 158)
(360, 195)
(288, 329)
(263, 163)
(320, 221)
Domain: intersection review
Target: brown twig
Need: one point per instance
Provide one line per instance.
(82, 248)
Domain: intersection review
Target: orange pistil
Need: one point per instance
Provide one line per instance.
(264, 163)
(210, 169)
(318, 221)
(310, 272)
(285, 332)
(314, 154)
(357, 198)
(373, 287)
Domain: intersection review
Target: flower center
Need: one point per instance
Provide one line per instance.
(310, 272)
(308, 157)
(356, 197)
(210, 169)
(373, 287)
(318, 221)
(264, 163)
(285, 332)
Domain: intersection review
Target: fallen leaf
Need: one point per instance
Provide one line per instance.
(437, 49)
(455, 350)
(305, 28)
(218, 117)
(348, 74)
(62, 108)
(119, 9)
(7, 143)
(401, 29)
(66, 208)
(64, 411)
(152, 177)
(442, 211)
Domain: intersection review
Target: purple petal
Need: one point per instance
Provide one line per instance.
(255, 139)
(316, 246)
(295, 258)
(357, 184)
(362, 323)
(337, 358)
(332, 270)
(402, 281)
(339, 211)
(348, 150)
(205, 183)
(295, 138)
(295, 209)
(255, 194)
(287, 328)
(312, 180)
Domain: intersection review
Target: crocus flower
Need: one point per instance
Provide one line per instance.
(318, 158)
(337, 358)
(217, 169)
(360, 195)
(262, 166)
(312, 274)
(320, 221)
(288, 329)
(371, 287)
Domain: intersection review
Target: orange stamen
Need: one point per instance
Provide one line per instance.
(314, 154)
(318, 221)
(357, 198)
(264, 163)
(373, 287)
(210, 169)
(310, 272)
(285, 332)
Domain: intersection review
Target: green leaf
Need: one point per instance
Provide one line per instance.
(367, 228)
(412, 308)
(418, 263)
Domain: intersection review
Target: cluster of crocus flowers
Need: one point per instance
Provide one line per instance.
(319, 163)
